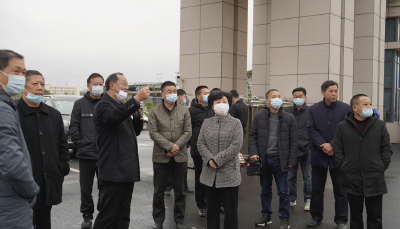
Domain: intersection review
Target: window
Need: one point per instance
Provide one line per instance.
(392, 29)
(392, 86)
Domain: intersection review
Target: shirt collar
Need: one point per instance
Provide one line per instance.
(28, 110)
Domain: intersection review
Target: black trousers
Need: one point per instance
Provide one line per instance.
(373, 206)
(170, 183)
(114, 205)
(318, 177)
(229, 197)
(42, 217)
(199, 190)
(161, 172)
(87, 171)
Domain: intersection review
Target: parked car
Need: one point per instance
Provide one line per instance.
(64, 104)
(145, 122)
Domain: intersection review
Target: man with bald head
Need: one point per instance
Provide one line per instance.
(18, 189)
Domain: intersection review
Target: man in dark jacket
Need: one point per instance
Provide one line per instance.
(199, 110)
(300, 111)
(239, 110)
(18, 188)
(83, 134)
(118, 164)
(273, 141)
(43, 130)
(362, 151)
(323, 117)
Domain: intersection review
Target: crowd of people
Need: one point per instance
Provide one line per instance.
(347, 140)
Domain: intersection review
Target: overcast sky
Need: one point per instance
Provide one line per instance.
(68, 40)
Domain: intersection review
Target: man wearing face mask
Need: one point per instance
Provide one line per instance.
(170, 129)
(199, 111)
(273, 141)
(83, 134)
(363, 152)
(118, 164)
(43, 129)
(300, 111)
(18, 188)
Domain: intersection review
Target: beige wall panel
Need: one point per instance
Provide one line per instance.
(189, 85)
(211, 15)
(241, 43)
(348, 38)
(260, 2)
(382, 28)
(381, 73)
(241, 86)
(284, 32)
(259, 74)
(334, 59)
(312, 83)
(190, 42)
(363, 27)
(259, 34)
(314, 30)
(360, 44)
(284, 84)
(282, 9)
(375, 48)
(211, 82)
(284, 61)
(314, 7)
(260, 54)
(380, 93)
(336, 7)
(191, 17)
(348, 62)
(227, 84)
(241, 67)
(242, 19)
(189, 3)
(375, 94)
(363, 88)
(347, 89)
(313, 59)
(213, 1)
(260, 14)
(365, 6)
(210, 65)
(189, 66)
(227, 40)
(243, 4)
(335, 29)
(258, 90)
(394, 131)
(376, 26)
(334, 77)
(268, 53)
(211, 40)
(383, 8)
(227, 65)
(228, 15)
(364, 71)
(348, 10)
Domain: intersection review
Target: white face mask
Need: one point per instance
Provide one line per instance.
(221, 109)
(122, 95)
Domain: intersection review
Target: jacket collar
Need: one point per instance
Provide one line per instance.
(4, 97)
(28, 110)
(350, 118)
(280, 112)
(333, 104)
(88, 97)
(195, 103)
(113, 101)
(239, 101)
(219, 119)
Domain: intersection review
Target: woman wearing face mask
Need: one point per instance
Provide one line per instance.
(219, 143)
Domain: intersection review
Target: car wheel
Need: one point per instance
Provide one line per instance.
(144, 125)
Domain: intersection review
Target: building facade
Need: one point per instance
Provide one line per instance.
(62, 90)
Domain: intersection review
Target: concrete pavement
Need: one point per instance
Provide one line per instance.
(67, 215)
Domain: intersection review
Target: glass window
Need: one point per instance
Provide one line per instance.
(390, 30)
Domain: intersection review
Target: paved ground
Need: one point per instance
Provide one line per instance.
(66, 215)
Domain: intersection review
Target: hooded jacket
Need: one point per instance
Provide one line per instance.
(198, 114)
(301, 119)
(363, 157)
(81, 128)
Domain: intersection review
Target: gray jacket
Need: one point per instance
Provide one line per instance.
(221, 139)
(167, 128)
(16, 180)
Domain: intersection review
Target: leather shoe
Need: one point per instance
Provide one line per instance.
(180, 226)
(314, 223)
(167, 193)
(341, 226)
(157, 226)
(188, 190)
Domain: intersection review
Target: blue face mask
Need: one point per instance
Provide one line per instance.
(205, 99)
(276, 103)
(97, 90)
(184, 102)
(171, 98)
(366, 112)
(15, 86)
(33, 98)
(298, 101)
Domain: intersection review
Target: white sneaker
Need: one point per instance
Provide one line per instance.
(307, 207)
(292, 204)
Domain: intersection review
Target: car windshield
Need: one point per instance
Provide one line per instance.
(64, 107)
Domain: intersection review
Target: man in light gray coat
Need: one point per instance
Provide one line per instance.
(18, 189)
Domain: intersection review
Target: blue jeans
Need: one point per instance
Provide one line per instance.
(304, 162)
(272, 167)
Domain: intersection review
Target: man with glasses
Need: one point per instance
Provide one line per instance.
(83, 135)
(118, 164)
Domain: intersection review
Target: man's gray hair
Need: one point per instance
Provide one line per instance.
(30, 73)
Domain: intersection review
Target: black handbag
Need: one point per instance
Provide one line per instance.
(254, 168)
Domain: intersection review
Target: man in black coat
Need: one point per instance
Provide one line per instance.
(273, 141)
(118, 164)
(199, 111)
(43, 130)
(83, 134)
(300, 111)
(239, 110)
(363, 152)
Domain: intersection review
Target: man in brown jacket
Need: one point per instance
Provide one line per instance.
(170, 128)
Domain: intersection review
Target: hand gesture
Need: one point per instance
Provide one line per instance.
(255, 158)
(174, 149)
(143, 94)
(327, 148)
(212, 164)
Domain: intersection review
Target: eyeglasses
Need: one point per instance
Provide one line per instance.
(123, 84)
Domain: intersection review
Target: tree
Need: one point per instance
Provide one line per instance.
(147, 106)
(47, 92)
(249, 75)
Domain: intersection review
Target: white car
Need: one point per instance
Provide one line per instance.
(145, 122)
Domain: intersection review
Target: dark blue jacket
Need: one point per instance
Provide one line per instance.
(321, 125)
(116, 138)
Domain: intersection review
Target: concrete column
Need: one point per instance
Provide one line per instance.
(369, 62)
(213, 44)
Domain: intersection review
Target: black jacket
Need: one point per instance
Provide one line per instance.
(48, 148)
(240, 111)
(363, 158)
(82, 129)
(301, 118)
(116, 139)
(198, 114)
(287, 138)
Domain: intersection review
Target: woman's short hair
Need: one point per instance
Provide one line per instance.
(218, 94)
